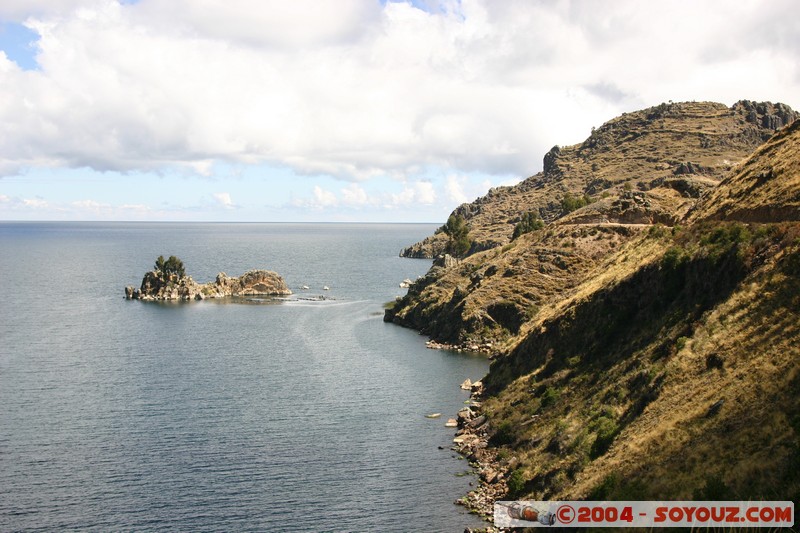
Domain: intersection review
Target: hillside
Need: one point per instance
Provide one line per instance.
(672, 152)
(647, 345)
(674, 371)
(765, 188)
(639, 169)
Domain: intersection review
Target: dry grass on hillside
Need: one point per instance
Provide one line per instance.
(490, 295)
(649, 399)
(765, 187)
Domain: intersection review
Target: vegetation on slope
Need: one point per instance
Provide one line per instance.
(677, 366)
(458, 241)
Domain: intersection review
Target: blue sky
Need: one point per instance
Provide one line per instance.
(19, 44)
(355, 110)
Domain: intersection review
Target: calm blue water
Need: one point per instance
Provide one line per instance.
(303, 416)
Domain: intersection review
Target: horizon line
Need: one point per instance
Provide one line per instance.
(56, 221)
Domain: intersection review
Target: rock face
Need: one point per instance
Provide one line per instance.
(428, 248)
(251, 283)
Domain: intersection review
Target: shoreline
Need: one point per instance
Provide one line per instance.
(472, 442)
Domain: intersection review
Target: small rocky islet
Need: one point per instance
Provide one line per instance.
(168, 281)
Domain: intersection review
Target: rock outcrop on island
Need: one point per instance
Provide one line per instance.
(157, 286)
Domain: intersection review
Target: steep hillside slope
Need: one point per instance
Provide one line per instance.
(637, 170)
(765, 187)
(674, 370)
(647, 345)
(671, 152)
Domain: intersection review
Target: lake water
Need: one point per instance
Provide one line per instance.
(296, 416)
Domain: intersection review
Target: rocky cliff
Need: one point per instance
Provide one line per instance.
(156, 286)
(645, 345)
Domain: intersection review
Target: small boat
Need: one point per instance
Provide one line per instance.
(305, 287)
(326, 288)
(433, 415)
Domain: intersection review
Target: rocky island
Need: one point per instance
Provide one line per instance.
(168, 281)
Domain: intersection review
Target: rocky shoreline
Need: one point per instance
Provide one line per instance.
(472, 441)
(484, 347)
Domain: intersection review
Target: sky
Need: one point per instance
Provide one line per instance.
(344, 110)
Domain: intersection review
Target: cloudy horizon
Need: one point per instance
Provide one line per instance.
(347, 110)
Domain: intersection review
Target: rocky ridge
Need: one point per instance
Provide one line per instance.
(671, 153)
(156, 286)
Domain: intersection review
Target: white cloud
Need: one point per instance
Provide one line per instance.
(324, 198)
(266, 23)
(139, 209)
(424, 192)
(356, 89)
(460, 189)
(454, 190)
(224, 199)
(354, 195)
(19, 10)
(36, 203)
(418, 192)
(89, 204)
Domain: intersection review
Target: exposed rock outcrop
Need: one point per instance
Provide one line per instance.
(428, 248)
(155, 286)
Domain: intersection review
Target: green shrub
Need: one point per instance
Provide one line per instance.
(172, 267)
(516, 483)
(727, 235)
(606, 429)
(456, 229)
(680, 344)
(530, 222)
(792, 263)
(605, 488)
(657, 231)
(618, 488)
(714, 490)
(550, 397)
(673, 258)
(570, 203)
(505, 434)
